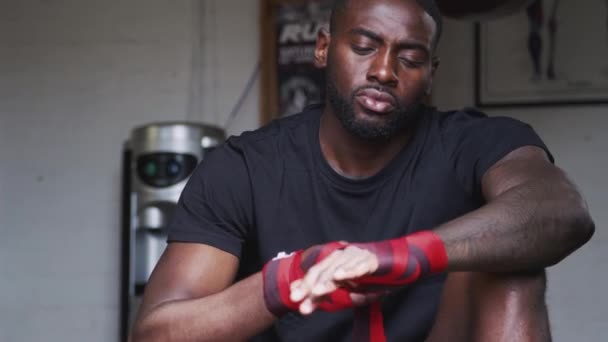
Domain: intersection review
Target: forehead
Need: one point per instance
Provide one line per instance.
(393, 19)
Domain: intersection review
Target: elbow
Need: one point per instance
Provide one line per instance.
(139, 333)
(581, 229)
(577, 230)
(148, 331)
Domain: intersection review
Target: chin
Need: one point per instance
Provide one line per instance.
(366, 117)
(370, 130)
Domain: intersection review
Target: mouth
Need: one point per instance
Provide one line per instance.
(375, 101)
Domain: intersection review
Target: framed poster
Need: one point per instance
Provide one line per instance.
(290, 81)
(553, 52)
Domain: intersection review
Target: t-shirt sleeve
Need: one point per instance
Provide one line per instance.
(215, 206)
(474, 142)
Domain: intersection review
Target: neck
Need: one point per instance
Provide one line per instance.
(351, 156)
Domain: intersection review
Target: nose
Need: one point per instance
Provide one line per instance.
(383, 69)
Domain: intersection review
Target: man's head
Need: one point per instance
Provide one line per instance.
(379, 60)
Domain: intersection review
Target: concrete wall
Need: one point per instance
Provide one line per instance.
(75, 77)
(577, 137)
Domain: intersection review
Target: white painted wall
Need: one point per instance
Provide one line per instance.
(577, 137)
(75, 77)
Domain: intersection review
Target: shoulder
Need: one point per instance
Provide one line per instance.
(470, 126)
(268, 136)
(473, 120)
(473, 142)
(285, 141)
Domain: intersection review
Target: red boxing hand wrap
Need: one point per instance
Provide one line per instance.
(404, 260)
(279, 273)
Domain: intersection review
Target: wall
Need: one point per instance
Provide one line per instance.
(577, 137)
(75, 77)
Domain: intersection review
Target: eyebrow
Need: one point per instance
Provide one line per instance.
(404, 45)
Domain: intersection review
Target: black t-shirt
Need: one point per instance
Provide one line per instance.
(271, 191)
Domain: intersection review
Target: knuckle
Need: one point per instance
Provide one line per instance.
(369, 253)
(353, 249)
(313, 272)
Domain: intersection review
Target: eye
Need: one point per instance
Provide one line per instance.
(412, 59)
(411, 63)
(362, 50)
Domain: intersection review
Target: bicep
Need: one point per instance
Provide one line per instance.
(188, 271)
(524, 164)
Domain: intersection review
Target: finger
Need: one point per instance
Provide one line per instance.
(355, 263)
(295, 293)
(307, 306)
(364, 267)
(312, 276)
(363, 264)
(325, 282)
(303, 288)
(323, 287)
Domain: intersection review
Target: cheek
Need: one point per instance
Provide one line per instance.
(348, 72)
(413, 85)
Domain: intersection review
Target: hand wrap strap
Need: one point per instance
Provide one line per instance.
(401, 261)
(404, 260)
(279, 273)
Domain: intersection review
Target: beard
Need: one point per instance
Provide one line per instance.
(398, 120)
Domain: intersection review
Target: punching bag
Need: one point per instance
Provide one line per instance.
(480, 9)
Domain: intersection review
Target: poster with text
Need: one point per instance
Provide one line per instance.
(299, 82)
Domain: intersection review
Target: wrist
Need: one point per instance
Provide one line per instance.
(404, 260)
(430, 249)
(278, 274)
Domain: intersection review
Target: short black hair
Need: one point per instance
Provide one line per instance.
(429, 6)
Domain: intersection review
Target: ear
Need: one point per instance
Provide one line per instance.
(322, 47)
(434, 66)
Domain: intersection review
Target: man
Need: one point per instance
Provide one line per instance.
(379, 198)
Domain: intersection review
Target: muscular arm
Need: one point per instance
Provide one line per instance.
(190, 298)
(534, 217)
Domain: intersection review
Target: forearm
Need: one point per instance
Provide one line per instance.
(234, 314)
(530, 226)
